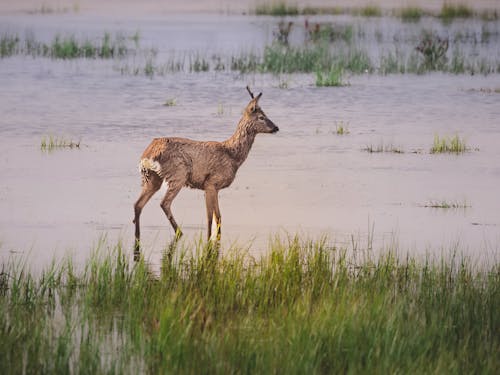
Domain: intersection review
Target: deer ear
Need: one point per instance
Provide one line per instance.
(252, 106)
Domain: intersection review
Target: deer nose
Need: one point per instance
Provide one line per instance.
(275, 129)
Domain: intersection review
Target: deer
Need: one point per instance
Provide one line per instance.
(206, 165)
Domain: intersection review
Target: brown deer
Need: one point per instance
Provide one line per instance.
(209, 166)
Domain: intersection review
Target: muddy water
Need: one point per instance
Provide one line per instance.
(305, 179)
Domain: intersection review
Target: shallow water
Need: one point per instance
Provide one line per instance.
(304, 179)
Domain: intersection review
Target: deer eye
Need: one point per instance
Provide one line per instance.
(261, 117)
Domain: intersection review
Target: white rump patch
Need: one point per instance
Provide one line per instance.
(148, 164)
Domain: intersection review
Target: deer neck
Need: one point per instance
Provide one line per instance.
(240, 143)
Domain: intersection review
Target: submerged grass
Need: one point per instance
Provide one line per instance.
(304, 307)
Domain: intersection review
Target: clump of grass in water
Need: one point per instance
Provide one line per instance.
(342, 128)
(370, 11)
(390, 148)
(444, 204)
(454, 145)
(303, 307)
(172, 102)
(276, 8)
(411, 14)
(450, 11)
(51, 143)
(333, 77)
(9, 44)
(433, 49)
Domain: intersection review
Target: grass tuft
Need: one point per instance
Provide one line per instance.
(342, 128)
(381, 148)
(411, 14)
(51, 143)
(444, 204)
(453, 144)
(370, 11)
(277, 9)
(450, 11)
(172, 102)
(331, 78)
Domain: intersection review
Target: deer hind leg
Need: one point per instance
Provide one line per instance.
(150, 186)
(173, 189)
(213, 212)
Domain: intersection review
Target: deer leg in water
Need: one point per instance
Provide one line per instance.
(150, 186)
(212, 202)
(173, 190)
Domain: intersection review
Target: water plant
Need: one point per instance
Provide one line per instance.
(332, 77)
(433, 49)
(305, 306)
(172, 102)
(51, 143)
(381, 147)
(370, 11)
(451, 11)
(411, 14)
(276, 8)
(445, 204)
(8, 44)
(66, 46)
(342, 128)
(445, 144)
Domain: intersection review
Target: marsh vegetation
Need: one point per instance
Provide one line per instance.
(305, 306)
(51, 143)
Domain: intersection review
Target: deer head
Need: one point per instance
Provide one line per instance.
(259, 120)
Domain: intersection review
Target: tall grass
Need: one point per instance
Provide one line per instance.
(304, 307)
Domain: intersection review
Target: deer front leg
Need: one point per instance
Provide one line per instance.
(213, 212)
(149, 187)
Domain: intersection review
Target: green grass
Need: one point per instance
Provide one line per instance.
(342, 128)
(370, 11)
(303, 307)
(172, 102)
(51, 143)
(333, 77)
(276, 8)
(444, 204)
(9, 45)
(450, 11)
(381, 148)
(68, 46)
(453, 144)
(411, 14)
